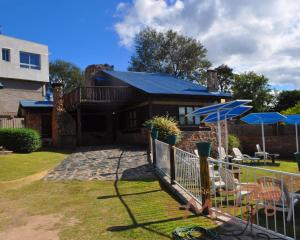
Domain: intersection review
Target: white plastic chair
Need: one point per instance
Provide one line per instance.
(287, 200)
(239, 156)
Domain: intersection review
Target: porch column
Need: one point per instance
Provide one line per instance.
(79, 133)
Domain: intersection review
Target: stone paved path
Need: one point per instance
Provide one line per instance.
(101, 163)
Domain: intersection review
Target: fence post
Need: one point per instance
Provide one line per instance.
(154, 135)
(204, 149)
(172, 141)
(149, 140)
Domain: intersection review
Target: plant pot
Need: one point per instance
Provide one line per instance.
(204, 148)
(297, 155)
(172, 139)
(154, 133)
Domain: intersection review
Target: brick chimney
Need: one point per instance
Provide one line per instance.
(92, 70)
(57, 111)
(212, 80)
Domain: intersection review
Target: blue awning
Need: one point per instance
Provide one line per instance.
(264, 118)
(292, 119)
(218, 108)
(36, 104)
(227, 114)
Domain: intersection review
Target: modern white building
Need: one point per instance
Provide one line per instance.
(24, 72)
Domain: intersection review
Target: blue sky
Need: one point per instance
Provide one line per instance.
(246, 35)
(78, 31)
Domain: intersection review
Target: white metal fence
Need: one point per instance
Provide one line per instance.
(163, 157)
(187, 172)
(269, 199)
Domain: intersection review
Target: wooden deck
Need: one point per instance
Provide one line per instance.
(101, 94)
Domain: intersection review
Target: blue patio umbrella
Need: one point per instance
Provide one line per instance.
(263, 118)
(225, 115)
(294, 120)
(218, 109)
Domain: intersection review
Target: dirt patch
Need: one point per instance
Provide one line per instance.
(14, 184)
(39, 227)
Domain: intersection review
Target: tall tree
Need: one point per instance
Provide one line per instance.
(69, 73)
(170, 53)
(287, 99)
(225, 77)
(250, 85)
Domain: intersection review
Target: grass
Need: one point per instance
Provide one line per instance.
(17, 165)
(103, 209)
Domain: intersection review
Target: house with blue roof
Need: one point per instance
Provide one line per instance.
(113, 105)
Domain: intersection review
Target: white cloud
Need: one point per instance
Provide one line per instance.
(263, 36)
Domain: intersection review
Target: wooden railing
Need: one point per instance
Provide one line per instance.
(103, 94)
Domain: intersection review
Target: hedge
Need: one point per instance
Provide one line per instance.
(23, 140)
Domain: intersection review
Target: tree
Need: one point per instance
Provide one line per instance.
(169, 52)
(225, 78)
(250, 85)
(287, 99)
(292, 110)
(69, 73)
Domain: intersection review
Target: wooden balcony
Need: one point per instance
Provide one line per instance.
(101, 94)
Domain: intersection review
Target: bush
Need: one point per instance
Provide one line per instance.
(166, 126)
(20, 139)
(233, 141)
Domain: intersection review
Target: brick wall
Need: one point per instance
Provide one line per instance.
(279, 139)
(16, 90)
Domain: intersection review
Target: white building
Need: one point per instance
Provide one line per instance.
(24, 72)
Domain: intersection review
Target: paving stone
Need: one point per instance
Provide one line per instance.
(102, 163)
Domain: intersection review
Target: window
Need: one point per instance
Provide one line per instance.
(30, 60)
(132, 119)
(183, 120)
(6, 54)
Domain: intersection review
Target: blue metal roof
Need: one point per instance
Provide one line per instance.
(292, 119)
(36, 104)
(265, 118)
(158, 83)
(219, 107)
(227, 114)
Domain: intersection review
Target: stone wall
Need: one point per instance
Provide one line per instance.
(63, 124)
(190, 138)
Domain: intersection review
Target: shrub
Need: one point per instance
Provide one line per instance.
(233, 141)
(20, 139)
(166, 126)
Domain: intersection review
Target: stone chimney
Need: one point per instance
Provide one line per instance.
(57, 111)
(92, 70)
(212, 80)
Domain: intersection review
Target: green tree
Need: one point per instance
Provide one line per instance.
(225, 77)
(69, 73)
(250, 85)
(287, 99)
(292, 110)
(170, 53)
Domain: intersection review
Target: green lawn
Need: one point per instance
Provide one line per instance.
(119, 210)
(17, 165)
(102, 209)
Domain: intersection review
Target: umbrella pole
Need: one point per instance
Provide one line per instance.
(219, 135)
(297, 140)
(226, 138)
(263, 140)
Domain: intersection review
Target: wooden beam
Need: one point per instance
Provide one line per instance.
(79, 131)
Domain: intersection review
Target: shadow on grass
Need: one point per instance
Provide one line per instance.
(151, 218)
